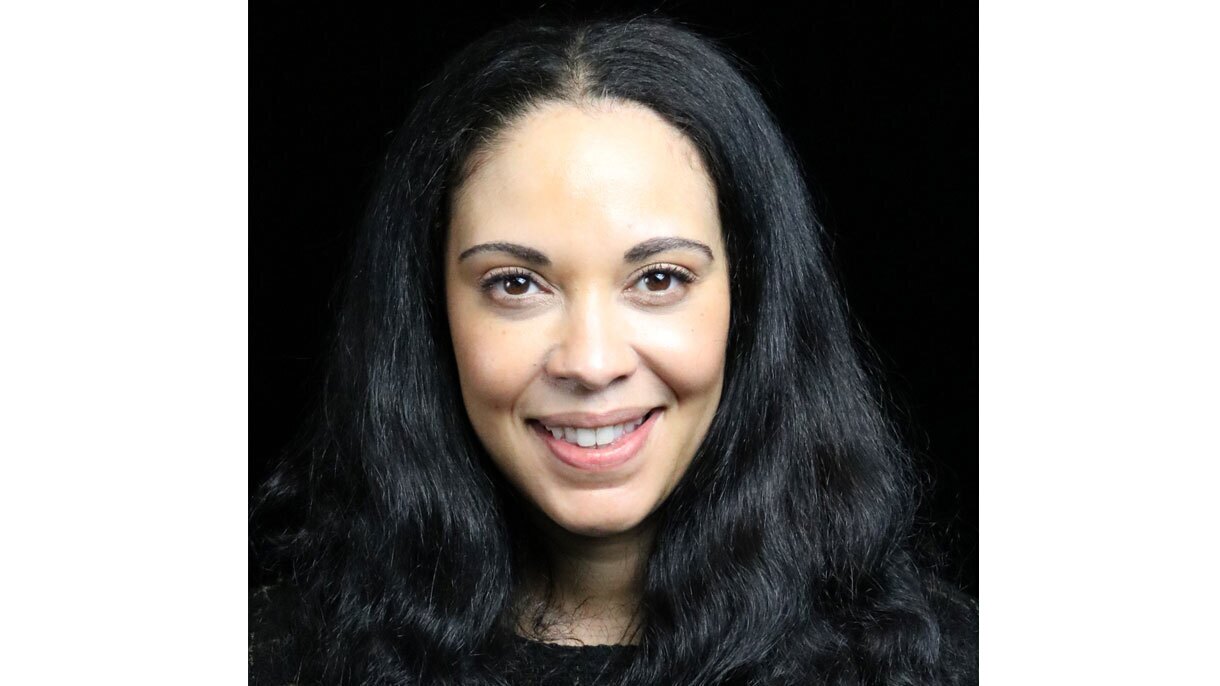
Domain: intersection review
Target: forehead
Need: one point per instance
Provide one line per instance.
(616, 173)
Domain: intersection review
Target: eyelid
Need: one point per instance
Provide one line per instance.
(504, 272)
(496, 276)
(685, 275)
(680, 280)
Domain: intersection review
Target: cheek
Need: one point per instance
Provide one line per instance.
(495, 361)
(688, 349)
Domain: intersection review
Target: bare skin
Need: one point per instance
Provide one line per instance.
(598, 587)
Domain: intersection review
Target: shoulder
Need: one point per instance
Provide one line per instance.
(957, 613)
(273, 639)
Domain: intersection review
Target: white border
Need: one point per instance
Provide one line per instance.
(1098, 373)
(123, 217)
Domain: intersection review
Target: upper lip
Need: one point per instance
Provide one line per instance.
(588, 420)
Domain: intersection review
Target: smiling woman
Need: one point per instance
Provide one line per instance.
(594, 406)
(590, 379)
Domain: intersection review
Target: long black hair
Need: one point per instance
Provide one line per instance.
(782, 556)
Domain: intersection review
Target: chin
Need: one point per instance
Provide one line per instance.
(597, 523)
(596, 529)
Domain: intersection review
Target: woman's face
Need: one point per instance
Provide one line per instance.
(588, 299)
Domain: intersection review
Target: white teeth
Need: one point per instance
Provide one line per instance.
(586, 437)
(600, 436)
(605, 435)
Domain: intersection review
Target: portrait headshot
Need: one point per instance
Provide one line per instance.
(628, 346)
(561, 343)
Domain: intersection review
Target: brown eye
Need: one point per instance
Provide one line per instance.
(516, 285)
(510, 286)
(665, 283)
(658, 281)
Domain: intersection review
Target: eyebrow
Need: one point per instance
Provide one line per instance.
(652, 246)
(519, 251)
(637, 253)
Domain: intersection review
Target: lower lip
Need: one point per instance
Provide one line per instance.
(598, 459)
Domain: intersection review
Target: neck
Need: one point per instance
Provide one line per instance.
(597, 585)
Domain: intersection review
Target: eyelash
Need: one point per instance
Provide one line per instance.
(496, 278)
(683, 275)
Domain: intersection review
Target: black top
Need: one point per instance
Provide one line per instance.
(548, 664)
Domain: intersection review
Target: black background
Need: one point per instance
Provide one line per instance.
(880, 98)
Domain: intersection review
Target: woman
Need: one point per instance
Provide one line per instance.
(594, 410)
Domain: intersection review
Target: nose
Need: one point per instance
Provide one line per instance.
(594, 348)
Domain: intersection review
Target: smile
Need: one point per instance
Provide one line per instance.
(588, 437)
(599, 448)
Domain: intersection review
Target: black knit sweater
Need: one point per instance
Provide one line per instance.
(548, 664)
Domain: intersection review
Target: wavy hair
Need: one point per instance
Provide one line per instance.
(780, 557)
